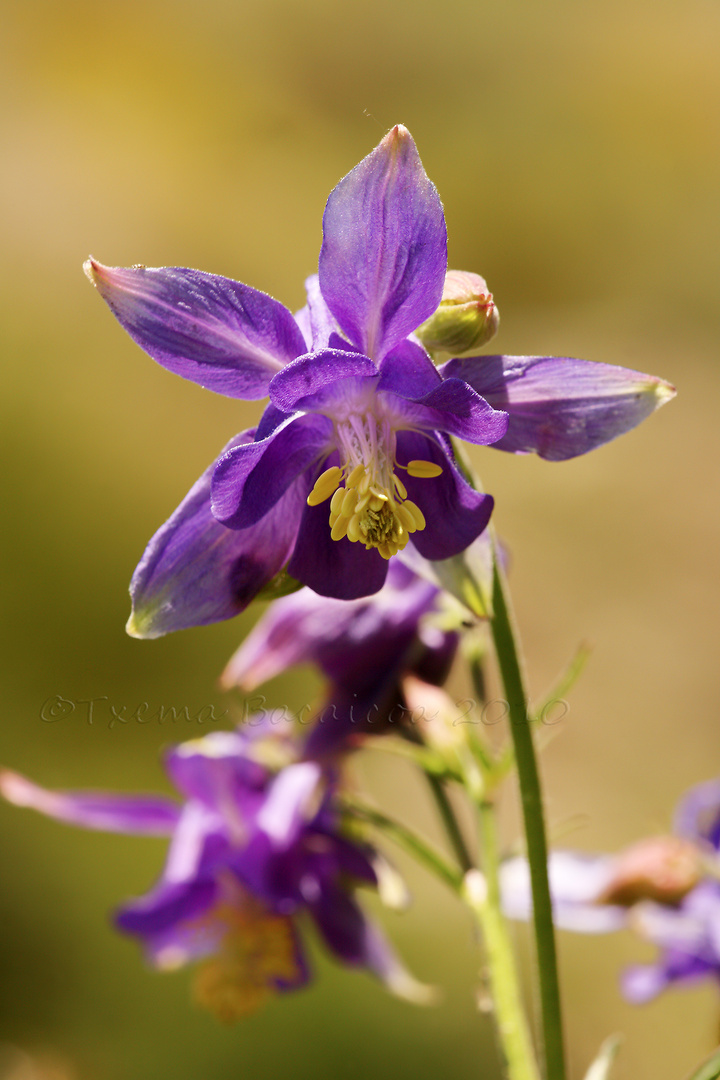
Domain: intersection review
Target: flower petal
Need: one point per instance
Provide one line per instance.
(215, 331)
(384, 252)
(166, 905)
(312, 382)
(697, 816)
(453, 407)
(144, 814)
(358, 942)
(577, 881)
(291, 801)
(248, 480)
(409, 371)
(560, 407)
(455, 514)
(353, 641)
(333, 567)
(196, 571)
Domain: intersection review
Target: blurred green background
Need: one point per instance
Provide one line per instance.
(575, 146)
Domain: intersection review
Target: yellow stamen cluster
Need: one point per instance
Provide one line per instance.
(257, 952)
(372, 506)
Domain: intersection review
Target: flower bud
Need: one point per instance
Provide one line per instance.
(661, 868)
(466, 319)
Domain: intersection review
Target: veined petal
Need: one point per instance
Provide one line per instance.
(455, 514)
(321, 323)
(559, 407)
(195, 571)
(248, 480)
(384, 251)
(453, 407)
(144, 814)
(215, 331)
(311, 380)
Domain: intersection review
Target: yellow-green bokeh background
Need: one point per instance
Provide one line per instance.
(575, 146)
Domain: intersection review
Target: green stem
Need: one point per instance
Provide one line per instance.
(529, 780)
(449, 820)
(485, 902)
(423, 851)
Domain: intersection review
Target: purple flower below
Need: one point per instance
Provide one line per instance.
(364, 648)
(252, 848)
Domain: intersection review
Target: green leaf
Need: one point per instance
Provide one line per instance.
(603, 1063)
(710, 1068)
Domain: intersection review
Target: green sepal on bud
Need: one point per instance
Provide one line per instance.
(466, 319)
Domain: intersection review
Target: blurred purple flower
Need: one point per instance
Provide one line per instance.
(252, 848)
(666, 889)
(364, 648)
(354, 402)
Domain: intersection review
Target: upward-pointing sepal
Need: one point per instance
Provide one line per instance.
(384, 252)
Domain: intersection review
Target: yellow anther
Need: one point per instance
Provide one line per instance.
(337, 501)
(403, 539)
(416, 512)
(423, 470)
(362, 503)
(386, 551)
(339, 529)
(376, 503)
(400, 487)
(348, 503)
(353, 529)
(406, 517)
(324, 486)
(333, 519)
(355, 476)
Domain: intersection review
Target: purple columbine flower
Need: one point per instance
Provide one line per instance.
(665, 888)
(252, 849)
(364, 647)
(351, 459)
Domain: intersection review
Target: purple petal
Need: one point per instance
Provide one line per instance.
(409, 371)
(218, 772)
(291, 802)
(455, 514)
(214, 331)
(196, 571)
(453, 407)
(144, 814)
(330, 567)
(166, 906)
(198, 847)
(322, 325)
(249, 480)
(384, 252)
(353, 641)
(312, 381)
(643, 982)
(577, 882)
(697, 816)
(560, 407)
(357, 942)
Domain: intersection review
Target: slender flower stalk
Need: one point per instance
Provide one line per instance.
(482, 894)
(508, 655)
